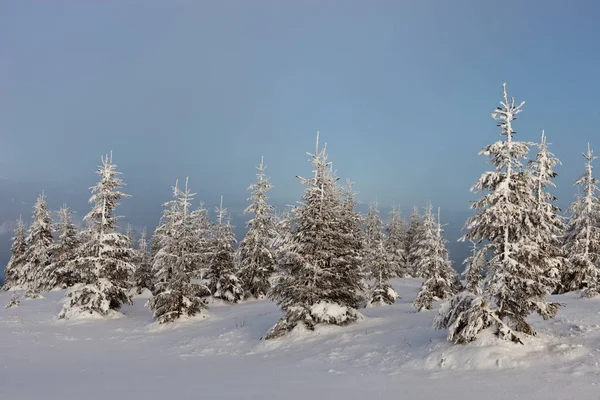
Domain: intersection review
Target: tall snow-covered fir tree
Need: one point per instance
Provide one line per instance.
(257, 259)
(177, 261)
(104, 260)
(324, 279)
(395, 241)
(373, 231)
(434, 263)
(37, 255)
(549, 224)
(175, 294)
(162, 238)
(60, 273)
(582, 238)
(142, 277)
(352, 223)
(475, 266)
(224, 282)
(415, 227)
(14, 272)
(423, 243)
(130, 235)
(517, 281)
(378, 261)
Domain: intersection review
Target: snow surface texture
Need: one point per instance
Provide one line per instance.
(392, 353)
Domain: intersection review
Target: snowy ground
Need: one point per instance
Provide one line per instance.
(394, 353)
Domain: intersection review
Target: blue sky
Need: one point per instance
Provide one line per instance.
(401, 90)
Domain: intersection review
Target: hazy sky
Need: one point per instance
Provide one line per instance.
(401, 90)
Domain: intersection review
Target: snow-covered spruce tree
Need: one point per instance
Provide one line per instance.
(582, 238)
(434, 263)
(395, 241)
(352, 220)
(154, 243)
(104, 260)
(37, 255)
(373, 231)
(324, 281)
(280, 243)
(224, 282)
(378, 261)
(14, 271)
(466, 315)
(351, 224)
(415, 227)
(257, 259)
(203, 229)
(517, 282)
(162, 246)
(61, 272)
(549, 224)
(175, 295)
(130, 235)
(142, 277)
(422, 244)
(475, 265)
(154, 248)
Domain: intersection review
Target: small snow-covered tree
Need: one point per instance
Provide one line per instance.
(104, 260)
(175, 294)
(415, 227)
(224, 282)
(37, 255)
(60, 273)
(15, 301)
(582, 238)
(324, 279)
(142, 277)
(257, 259)
(549, 225)
(467, 314)
(130, 235)
(475, 265)
(14, 272)
(434, 263)
(395, 242)
(517, 281)
(378, 261)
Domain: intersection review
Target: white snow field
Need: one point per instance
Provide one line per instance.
(393, 353)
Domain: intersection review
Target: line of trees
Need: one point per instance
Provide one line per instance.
(321, 261)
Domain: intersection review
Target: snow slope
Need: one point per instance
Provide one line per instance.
(392, 353)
